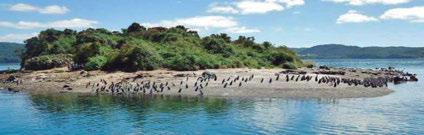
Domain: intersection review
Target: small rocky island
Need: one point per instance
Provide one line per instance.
(177, 61)
(322, 82)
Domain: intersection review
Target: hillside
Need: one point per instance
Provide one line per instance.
(8, 52)
(337, 51)
(139, 48)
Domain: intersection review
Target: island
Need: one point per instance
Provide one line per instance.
(339, 51)
(139, 61)
(9, 52)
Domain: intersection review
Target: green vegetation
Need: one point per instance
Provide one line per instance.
(335, 51)
(139, 48)
(48, 61)
(8, 52)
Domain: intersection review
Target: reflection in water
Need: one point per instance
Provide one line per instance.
(399, 113)
(129, 114)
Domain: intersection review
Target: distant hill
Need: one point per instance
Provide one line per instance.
(8, 52)
(337, 51)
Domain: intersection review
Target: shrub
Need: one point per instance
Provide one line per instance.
(134, 58)
(95, 63)
(184, 63)
(278, 58)
(138, 48)
(217, 46)
(289, 66)
(48, 62)
(309, 64)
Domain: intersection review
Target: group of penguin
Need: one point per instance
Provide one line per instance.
(155, 87)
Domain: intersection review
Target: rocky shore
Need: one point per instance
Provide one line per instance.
(321, 82)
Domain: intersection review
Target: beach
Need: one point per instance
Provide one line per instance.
(263, 84)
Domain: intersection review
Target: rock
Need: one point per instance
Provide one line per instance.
(182, 75)
(83, 72)
(66, 86)
(290, 71)
(331, 72)
(12, 90)
(41, 77)
(398, 80)
(208, 74)
(324, 67)
(413, 78)
(12, 78)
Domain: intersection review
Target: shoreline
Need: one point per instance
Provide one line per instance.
(263, 84)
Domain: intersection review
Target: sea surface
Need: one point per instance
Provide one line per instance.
(401, 112)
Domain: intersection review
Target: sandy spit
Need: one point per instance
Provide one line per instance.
(53, 81)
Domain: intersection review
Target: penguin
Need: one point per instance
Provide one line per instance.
(201, 93)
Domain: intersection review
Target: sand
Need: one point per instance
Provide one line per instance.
(53, 81)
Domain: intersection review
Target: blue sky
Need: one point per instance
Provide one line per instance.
(294, 23)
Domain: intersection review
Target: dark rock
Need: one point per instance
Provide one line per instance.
(83, 72)
(12, 90)
(326, 72)
(413, 78)
(11, 78)
(398, 80)
(290, 71)
(66, 86)
(324, 67)
(208, 74)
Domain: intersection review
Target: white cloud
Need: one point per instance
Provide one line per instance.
(51, 9)
(200, 23)
(254, 6)
(258, 7)
(413, 14)
(222, 9)
(241, 30)
(364, 2)
(205, 22)
(19, 38)
(72, 23)
(353, 16)
(291, 3)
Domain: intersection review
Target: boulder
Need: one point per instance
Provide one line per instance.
(12, 78)
(324, 67)
(208, 74)
(413, 78)
(66, 86)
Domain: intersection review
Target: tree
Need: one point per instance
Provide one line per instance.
(217, 46)
(267, 44)
(135, 27)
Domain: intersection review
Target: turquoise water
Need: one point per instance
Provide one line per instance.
(399, 113)
(9, 66)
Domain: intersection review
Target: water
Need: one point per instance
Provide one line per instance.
(401, 112)
(9, 66)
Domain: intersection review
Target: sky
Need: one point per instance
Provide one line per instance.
(293, 23)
